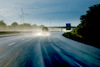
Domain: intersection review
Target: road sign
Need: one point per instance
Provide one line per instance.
(68, 26)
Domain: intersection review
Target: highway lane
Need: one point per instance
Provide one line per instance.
(33, 50)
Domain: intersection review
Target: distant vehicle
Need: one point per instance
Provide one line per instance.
(45, 29)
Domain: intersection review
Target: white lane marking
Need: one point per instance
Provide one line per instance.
(11, 43)
(6, 65)
(78, 64)
(18, 52)
(3, 55)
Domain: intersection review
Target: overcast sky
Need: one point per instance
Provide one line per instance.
(40, 12)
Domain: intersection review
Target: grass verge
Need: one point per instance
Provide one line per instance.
(92, 42)
(8, 32)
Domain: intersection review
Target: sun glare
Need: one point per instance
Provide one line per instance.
(41, 34)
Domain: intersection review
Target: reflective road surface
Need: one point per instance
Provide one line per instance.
(36, 50)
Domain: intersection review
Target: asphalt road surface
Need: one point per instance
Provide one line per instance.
(34, 50)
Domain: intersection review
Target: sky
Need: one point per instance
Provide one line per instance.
(45, 12)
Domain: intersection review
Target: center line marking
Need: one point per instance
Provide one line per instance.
(11, 44)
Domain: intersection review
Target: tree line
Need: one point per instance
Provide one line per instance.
(88, 30)
(89, 26)
(18, 27)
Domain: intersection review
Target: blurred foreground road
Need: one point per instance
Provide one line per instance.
(32, 50)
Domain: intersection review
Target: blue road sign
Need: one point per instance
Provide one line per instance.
(68, 26)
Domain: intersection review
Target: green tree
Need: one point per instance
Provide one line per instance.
(89, 26)
(41, 26)
(90, 22)
(2, 24)
(34, 26)
(14, 24)
(25, 26)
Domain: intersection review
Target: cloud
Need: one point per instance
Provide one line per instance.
(43, 10)
(3, 10)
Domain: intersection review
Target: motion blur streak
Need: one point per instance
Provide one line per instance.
(37, 50)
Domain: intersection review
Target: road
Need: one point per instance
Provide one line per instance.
(32, 50)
